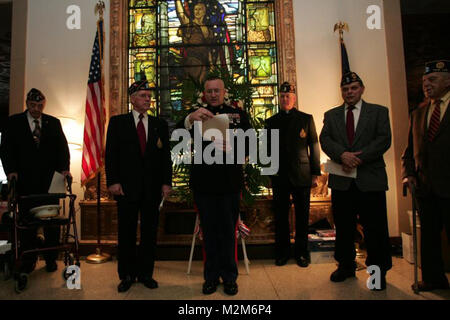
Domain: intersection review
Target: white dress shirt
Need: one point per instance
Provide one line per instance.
(444, 105)
(356, 112)
(144, 121)
(32, 123)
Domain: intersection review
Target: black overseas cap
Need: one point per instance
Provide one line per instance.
(437, 66)
(35, 95)
(138, 85)
(287, 87)
(350, 77)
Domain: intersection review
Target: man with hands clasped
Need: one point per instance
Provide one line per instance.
(356, 135)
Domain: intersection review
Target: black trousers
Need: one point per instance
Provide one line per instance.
(28, 240)
(434, 214)
(282, 191)
(133, 260)
(218, 218)
(371, 208)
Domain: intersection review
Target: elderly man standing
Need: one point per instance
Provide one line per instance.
(299, 168)
(355, 135)
(217, 189)
(426, 165)
(138, 174)
(33, 147)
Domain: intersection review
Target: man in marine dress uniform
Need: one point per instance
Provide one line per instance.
(217, 191)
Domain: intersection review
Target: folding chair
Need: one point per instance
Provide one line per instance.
(242, 231)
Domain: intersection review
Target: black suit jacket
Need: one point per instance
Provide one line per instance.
(428, 161)
(34, 165)
(299, 147)
(141, 177)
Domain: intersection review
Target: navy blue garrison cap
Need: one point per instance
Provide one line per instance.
(35, 95)
(287, 87)
(138, 85)
(437, 66)
(350, 77)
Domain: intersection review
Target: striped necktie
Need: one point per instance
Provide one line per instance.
(435, 121)
(37, 132)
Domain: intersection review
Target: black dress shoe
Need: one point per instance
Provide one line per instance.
(429, 286)
(51, 266)
(149, 282)
(341, 274)
(230, 288)
(125, 284)
(303, 261)
(21, 282)
(281, 261)
(210, 286)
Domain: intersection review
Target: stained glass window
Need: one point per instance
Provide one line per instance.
(172, 41)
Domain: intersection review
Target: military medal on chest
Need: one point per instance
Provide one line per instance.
(302, 133)
(234, 118)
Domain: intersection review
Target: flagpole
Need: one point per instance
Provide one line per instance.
(341, 26)
(98, 256)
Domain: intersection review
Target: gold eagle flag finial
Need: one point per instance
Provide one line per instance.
(99, 8)
(341, 26)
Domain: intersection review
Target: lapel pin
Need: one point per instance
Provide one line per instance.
(302, 134)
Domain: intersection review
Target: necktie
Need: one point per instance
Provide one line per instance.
(434, 121)
(37, 132)
(141, 134)
(350, 124)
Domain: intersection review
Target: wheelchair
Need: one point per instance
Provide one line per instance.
(68, 240)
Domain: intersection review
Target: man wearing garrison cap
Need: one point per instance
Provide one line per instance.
(139, 174)
(426, 165)
(33, 147)
(299, 167)
(355, 136)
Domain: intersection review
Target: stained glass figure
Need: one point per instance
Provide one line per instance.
(175, 42)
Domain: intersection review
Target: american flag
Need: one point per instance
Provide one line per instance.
(94, 123)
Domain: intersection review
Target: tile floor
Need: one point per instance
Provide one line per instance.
(265, 282)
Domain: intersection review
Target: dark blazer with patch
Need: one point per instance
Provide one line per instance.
(372, 137)
(34, 165)
(141, 177)
(428, 161)
(299, 147)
